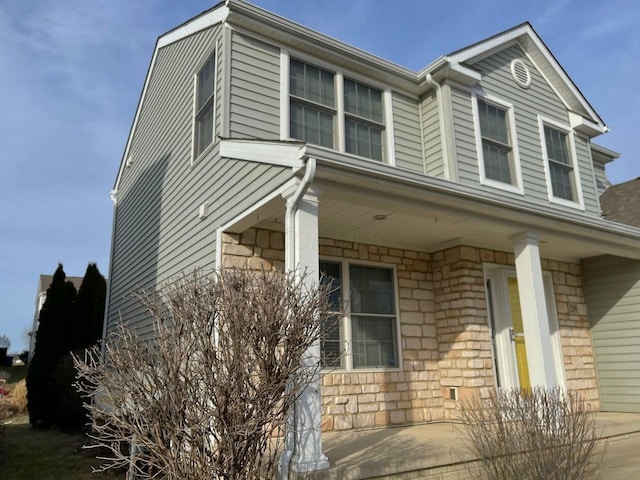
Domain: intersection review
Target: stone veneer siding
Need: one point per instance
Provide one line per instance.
(444, 330)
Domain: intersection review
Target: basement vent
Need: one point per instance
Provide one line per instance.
(520, 73)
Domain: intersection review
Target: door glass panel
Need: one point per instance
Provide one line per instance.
(518, 334)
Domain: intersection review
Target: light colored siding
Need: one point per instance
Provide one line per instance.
(600, 174)
(157, 232)
(406, 127)
(466, 155)
(538, 99)
(255, 89)
(431, 135)
(613, 300)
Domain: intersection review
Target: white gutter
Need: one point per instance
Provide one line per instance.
(290, 445)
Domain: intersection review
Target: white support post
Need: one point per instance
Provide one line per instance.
(303, 448)
(535, 317)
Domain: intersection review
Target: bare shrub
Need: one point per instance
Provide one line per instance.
(206, 395)
(7, 408)
(538, 434)
(19, 396)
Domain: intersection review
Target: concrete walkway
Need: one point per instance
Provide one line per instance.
(436, 451)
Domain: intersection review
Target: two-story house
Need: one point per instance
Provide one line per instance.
(455, 207)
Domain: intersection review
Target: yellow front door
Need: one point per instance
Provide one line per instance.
(517, 334)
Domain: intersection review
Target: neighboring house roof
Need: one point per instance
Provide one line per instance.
(457, 65)
(45, 281)
(621, 203)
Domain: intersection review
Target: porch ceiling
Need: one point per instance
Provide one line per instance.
(360, 215)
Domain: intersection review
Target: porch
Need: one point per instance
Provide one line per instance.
(436, 450)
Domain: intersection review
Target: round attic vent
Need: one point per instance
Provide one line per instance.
(520, 73)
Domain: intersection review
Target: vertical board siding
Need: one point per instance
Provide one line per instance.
(431, 135)
(538, 99)
(406, 127)
(613, 301)
(157, 232)
(255, 89)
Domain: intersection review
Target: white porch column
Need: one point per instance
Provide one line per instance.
(303, 448)
(535, 317)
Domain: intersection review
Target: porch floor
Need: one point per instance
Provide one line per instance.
(437, 451)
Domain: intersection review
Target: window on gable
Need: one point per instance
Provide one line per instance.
(363, 120)
(370, 323)
(205, 87)
(497, 151)
(312, 104)
(314, 110)
(560, 163)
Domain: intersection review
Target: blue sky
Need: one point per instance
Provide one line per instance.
(71, 72)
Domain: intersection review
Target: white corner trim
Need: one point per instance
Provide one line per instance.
(206, 20)
(285, 155)
(285, 118)
(518, 187)
(579, 204)
(219, 232)
(389, 134)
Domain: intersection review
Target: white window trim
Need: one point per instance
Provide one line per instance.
(579, 203)
(216, 55)
(339, 74)
(517, 188)
(345, 321)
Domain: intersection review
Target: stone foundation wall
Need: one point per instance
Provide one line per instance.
(443, 327)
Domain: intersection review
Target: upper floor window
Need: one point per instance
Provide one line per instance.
(560, 163)
(363, 120)
(497, 148)
(205, 87)
(370, 327)
(315, 111)
(312, 104)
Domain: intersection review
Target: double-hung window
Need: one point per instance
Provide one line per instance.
(560, 164)
(205, 88)
(363, 120)
(497, 149)
(312, 109)
(367, 337)
(315, 110)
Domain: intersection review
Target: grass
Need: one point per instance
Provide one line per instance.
(46, 454)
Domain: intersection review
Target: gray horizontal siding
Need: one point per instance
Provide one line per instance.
(466, 155)
(612, 286)
(157, 232)
(538, 99)
(255, 89)
(406, 128)
(431, 135)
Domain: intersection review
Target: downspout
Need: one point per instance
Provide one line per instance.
(292, 208)
(443, 135)
(290, 216)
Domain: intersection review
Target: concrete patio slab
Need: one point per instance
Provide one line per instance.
(437, 451)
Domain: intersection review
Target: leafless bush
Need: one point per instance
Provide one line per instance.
(538, 434)
(205, 397)
(19, 396)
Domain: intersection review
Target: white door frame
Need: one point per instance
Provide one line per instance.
(500, 312)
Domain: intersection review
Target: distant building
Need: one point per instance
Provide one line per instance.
(41, 296)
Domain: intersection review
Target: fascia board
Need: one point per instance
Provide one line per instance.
(194, 25)
(254, 18)
(451, 194)
(604, 154)
(284, 154)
